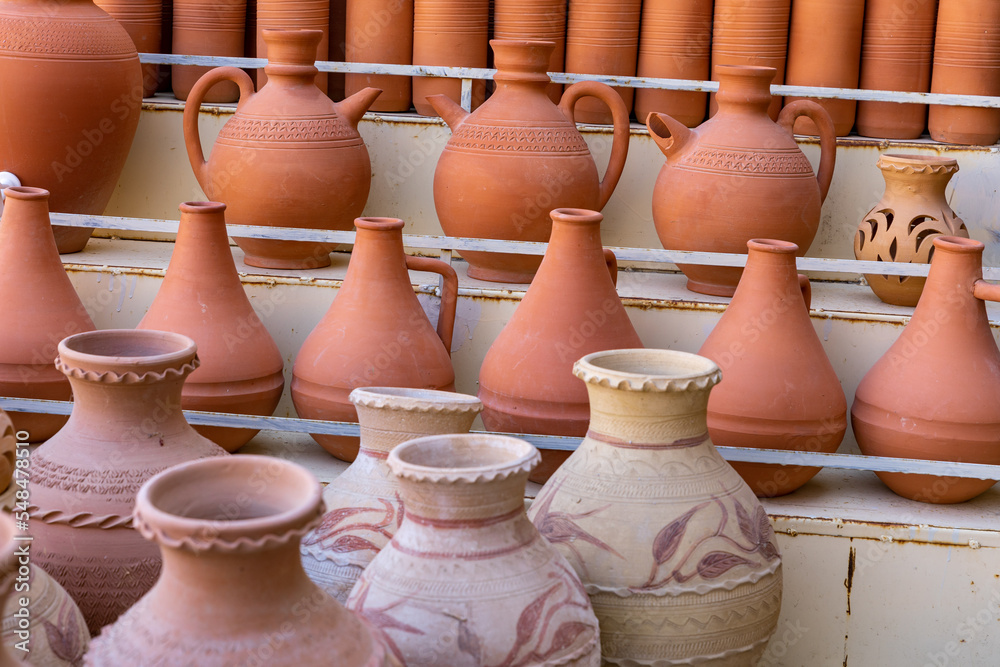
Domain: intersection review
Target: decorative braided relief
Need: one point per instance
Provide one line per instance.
(519, 139)
(110, 377)
(789, 162)
(242, 128)
(38, 34)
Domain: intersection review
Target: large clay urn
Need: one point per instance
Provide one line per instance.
(778, 389)
(143, 21)
(467, 580)
(933, 394)
(451, 33)
(41, 307)
(206, 28)
(518, 157)
(232, 589)
(738, 176)
(293, 15)
(676, 552)
(202, 297)
(69, 125)
(289, 157)
(126, 426)
(363, 505)
(380, 31)
(902, 226)
(375, 334)
(572, 308)
(543, 20)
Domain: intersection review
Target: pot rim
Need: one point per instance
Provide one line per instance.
(109, 349)
(412, 399)
(501, 456)
(648, 369)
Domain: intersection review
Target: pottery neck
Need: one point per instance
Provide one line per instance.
(521, 65)
(377, 260)
(447, 505)
(575, 255)
(956, 265)
(916, 177)
(202, 247)
(387, 421)
(291, 56)
(25, 228)
(770, 275)
(744, 89)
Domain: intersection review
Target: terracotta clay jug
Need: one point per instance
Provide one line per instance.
(677, 554)
(778, 389)
(57, 631)
(126, 426)
(207, 28)
(289, 157)
(70, 125)
(293, 15)
(535, 20)
(898, 408)
(467, 580)
(42, 308)
(380, 31)
(738, 176)
(902, 226)
(896, 54)
(229, 532)
(374, 334)
(966, 62)
(572, 308)
(202, 297)
(363, 506)
(674, 43)
(518, 157)
(451, 33)
(143, 21)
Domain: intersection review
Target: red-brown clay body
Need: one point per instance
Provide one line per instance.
(232, 589)
(126, 426)
(778, 389)
(902, 226)
(467, 580)
(933, 395)
(289, 157)
(738, 176)
(381, 31)
(518, 157)
(452, 33)
(207, 28)
(42, 308)
(535, 20)
(526, 382)
(375, 334)
(69, 126)
(293, 15)
(202, 297)
(143, 21)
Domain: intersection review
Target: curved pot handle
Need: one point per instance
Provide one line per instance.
(449, 294)
(612, 262)
(827, 138)
(192, 107)
(986, 291)
(620, 118)
(807, 291)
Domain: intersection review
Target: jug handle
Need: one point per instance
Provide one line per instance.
(449, 294)
(827, 138)
(807, 292)
(620, 118)
(612, 262)
(986, 291)
(192, 108)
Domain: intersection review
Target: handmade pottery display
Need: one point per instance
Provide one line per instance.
(289, 157)
(902, 226)
(232, 583)
(57, 630)
(41, 305)
(778, 389)
(126, 426)
(363, 506)
(535, 20)
(380, 31)
(738, 176)
(70, 125)
(202, 297)
(375, 334)
(518, 157)
(451, 33)
(143, 21)
(467, 580)
(206, 28)
(293, 15)
(676, 553)
(526, 382)
(933, 394)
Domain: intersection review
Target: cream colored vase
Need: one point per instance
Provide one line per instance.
(677, 554)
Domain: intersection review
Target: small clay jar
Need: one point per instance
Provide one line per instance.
(380, 31)
(58, 631)
(452, 33)
(535, 20)
(229, 531)
(902, 226)
(467, 580)
(364, 509)
(293, 15)
(206, 28)
(143, 21)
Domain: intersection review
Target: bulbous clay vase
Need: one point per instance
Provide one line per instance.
(11, 550)
(451, 33)
(933, 394)
(143, 21)
(206, 28)
(70, 125)
(738, 176)
(966, 62)
(42, 308)
(572, 308)
(58, 632)
(229, 531)
(293, 15)
(677, 554)
(467, 580)
(896, 54)
(902, 226)
(375, 333)
(202, 297)
(289, 157)
(364, 509)
(535, 20)
(778, 389)
(380, 31)
(518, 157)
(126, 426)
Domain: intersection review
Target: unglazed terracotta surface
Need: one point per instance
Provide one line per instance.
(467, 580)
(535, 20)
(380, 31)
(143, 21)
(294, 15)
(58, 631)
(676, 553)
(206, 28)
(453, 33)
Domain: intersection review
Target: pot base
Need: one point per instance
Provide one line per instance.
(712, 289)
(71, 239)
(481, 268)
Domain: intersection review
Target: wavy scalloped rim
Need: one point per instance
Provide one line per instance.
(416, 473)
(886, 165)
(131, 377)
(321, 554)
(637, 382)
(218, 545)
(694, 660)
(700, 589)
(80, 519)
(370, 399)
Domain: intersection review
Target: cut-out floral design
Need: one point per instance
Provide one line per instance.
(561, 528)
